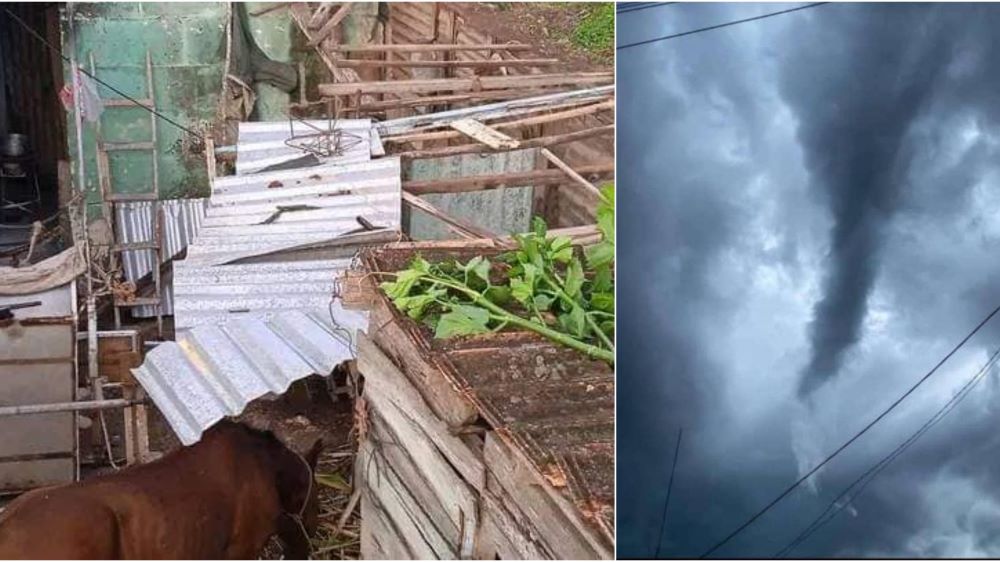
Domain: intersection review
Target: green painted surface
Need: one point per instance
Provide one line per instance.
(186, 42)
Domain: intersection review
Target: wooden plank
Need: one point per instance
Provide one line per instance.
(330, 24)
(540, 142)
(386, 386)
(486, 135)
(414, 525)
(460, 227)
(514, 124)
(504, 535)
(426, 85)
(438, 100)
(424, 48)
(447, 520)
(559, 523)
(443, 398)
(495, 181)
(320, 15)
(571, 173)
(351, 63)
(379, 540)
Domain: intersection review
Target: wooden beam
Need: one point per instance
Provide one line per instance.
(495, 181)
(540, 142)
(320, 15)
(362, 63)
(486, 135)
(330, 25)
(269, 9)
(458, 226)
(569, 172)
(448, 99)
(518, 123)
(425, 48)
(478, 83)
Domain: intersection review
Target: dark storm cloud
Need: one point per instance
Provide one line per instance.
(854, 120)
(807, 196)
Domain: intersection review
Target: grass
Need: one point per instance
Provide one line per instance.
(596, 33)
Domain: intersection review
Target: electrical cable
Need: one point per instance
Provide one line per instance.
(856, 436)
(98, 80)
(718, 26)
(670, 486)
(837, 506)
(628, 9)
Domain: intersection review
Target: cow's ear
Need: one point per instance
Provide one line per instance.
(312, 457)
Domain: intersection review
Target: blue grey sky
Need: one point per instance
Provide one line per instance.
(808, 220)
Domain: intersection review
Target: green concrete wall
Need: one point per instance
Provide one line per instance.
(187, 44)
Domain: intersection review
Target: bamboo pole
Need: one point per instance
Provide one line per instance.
(67, 407)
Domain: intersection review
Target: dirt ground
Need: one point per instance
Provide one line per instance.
(546, 25)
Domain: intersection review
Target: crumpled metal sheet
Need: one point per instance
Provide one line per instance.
(263, 143)
(214, 371)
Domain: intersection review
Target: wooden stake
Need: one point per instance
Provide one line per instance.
(460, 227)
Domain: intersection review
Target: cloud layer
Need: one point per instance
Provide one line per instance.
(809, 219)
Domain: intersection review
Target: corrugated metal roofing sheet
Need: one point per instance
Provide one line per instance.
(261, 213)
(214, 371)
(182, 219)
(263, 144)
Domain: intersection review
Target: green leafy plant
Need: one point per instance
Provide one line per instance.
(545, 285)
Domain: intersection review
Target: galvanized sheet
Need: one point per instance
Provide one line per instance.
(245, 217)
(263, 144)
(182, 219)
(213, 371)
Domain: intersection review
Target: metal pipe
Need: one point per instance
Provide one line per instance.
(68, 406)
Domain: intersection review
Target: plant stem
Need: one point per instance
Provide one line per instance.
(590, 320)
(558, 337)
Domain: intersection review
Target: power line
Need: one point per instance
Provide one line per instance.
(670, 486)
(96, 79)
(816, 468)
(718, 26)
(837, 506)
(628, 9)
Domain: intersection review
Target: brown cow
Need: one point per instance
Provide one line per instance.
(223, 497)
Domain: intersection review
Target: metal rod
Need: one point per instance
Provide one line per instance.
(68, 407)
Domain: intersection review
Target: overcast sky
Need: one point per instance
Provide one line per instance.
(809, 219)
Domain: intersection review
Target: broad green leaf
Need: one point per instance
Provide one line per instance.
(561, 249)
(574, 278)
(543, 302)
(420, 264)
(498, 295)
(462, 321)
(403, 284)
(539, 227)
(530, 273)
(574, 322)
(605, 302)
(608, 327)
(603, 281)
(599, 254)
(480, 266)
(521, 291)
(414, 305)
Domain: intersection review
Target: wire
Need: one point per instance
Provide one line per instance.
(670, 486)
(721, 25)
(628, 9)
(884, 413)
(98, 80)
(872, 472)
